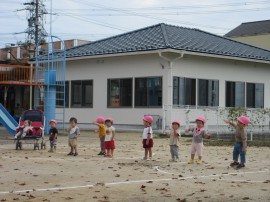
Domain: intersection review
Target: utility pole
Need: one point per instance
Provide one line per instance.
(35, 31)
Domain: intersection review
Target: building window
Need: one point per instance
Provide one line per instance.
(235, 94)
(119, 93)
(184, 91)
(255, 95)
(60, 94)
(82, 93)
(208, 92)
(148, 92)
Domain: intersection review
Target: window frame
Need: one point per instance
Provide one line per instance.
(67, 93)
(254, 94)
(192, 97)
(109, 104)
(147, 92)
(244, 96)
(198, 92)
(82, 101)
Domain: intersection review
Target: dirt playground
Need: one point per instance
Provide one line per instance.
(37, 175)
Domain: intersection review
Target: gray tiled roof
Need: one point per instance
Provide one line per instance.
(163, 36)
(250, 29)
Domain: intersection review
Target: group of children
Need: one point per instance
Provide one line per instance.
(107, 133)
(240, 146)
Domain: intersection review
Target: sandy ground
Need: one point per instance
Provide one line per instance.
(36, 175)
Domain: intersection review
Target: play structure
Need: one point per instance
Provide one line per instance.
(45, 79)
(35, 133)
(51, 70)
(7, 120)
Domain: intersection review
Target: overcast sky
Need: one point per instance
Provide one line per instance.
(96, 19)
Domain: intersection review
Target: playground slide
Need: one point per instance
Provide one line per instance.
(7, 120)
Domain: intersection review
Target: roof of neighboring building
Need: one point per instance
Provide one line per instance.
(250, 29)
(163, 36)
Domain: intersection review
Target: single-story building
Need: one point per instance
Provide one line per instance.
(167, 71)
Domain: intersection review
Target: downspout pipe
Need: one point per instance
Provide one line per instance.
(167, 119)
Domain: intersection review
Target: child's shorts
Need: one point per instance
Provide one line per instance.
(72, 142)
(197, 148)
(150, 144)
(53, 142)
(109, 144)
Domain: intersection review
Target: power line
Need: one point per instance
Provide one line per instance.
(97, 22)
(62, 11)
(151, 16)
(183, 7)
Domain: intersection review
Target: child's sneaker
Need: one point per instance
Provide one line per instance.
(199, 162)
(70, 154)
(144, 158)
(100, 153)
(191, 161)
(76, 154)
(235, 163)
(241, 165)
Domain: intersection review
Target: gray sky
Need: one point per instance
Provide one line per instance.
(97, 19)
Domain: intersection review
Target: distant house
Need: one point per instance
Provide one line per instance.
(254, 33)
(165, 71)
(14, 54)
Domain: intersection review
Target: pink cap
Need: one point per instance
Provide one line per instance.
(100, 119)
(244, 120)
(109, 119)
(176, 121)
(149, 119)
(201, 118)
(54, 121)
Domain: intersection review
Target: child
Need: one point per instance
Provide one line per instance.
(109, 138)
(197, 141)
(74, 132)
(174, 135)
(24, 130)
(101, 133)
(240, 147)
(147, 137)
(53, 132)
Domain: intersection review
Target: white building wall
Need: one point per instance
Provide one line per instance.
(222, 70)
(100, 69)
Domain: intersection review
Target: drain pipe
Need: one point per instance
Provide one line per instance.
(170, 89)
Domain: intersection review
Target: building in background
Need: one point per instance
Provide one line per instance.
(20, 54)
(254, 33)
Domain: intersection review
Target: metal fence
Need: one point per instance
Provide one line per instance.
(215, 116)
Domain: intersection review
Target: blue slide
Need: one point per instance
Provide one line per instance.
(7, 120)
